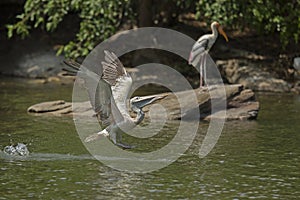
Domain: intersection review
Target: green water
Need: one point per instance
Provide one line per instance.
(257, 159)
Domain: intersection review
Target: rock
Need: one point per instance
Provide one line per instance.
(171, 104)
(53, 79)
(296, 88)
(37, 81)
(240, 105)
(246, 95)
(247, 111)
(40, 64)
(60, 79)
(50, 107)
(251, 76)
(34, 56)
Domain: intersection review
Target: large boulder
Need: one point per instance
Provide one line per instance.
(251, 76)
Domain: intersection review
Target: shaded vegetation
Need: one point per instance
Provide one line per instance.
(99, 19)
(265, 16)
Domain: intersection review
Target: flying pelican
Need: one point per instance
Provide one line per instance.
(202, 46)
(107, 94)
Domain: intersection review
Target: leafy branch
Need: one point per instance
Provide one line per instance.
(98, 20)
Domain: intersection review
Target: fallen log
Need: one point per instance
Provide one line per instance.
(240, 105)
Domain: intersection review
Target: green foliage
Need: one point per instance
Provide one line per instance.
(98, 20)
(265, 16)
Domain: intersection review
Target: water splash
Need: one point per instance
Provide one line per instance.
(19, 150)
(11, 150)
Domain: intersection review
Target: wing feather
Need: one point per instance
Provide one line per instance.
(120, 93)
(115, 74)
(99, 91)
(112, 68)
(108, 93)
(199, 47)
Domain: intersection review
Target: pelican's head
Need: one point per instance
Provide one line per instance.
(140, 102)
(217, 26)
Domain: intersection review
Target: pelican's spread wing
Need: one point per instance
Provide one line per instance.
(113, 69)
(115, 74)
(107, 93)
(199, 47)
(120, 92)
(103, 96)
(91, 79)
(99, 91)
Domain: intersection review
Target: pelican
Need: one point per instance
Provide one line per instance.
(110, 92)
(202, 46)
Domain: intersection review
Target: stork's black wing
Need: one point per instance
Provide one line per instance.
(199, 47)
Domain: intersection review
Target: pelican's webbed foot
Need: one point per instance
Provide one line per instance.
(116, 138)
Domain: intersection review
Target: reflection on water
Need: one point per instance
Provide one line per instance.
(256, 159)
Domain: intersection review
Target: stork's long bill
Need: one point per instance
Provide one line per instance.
(221, 31)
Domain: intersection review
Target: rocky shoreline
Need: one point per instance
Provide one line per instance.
(45, 67)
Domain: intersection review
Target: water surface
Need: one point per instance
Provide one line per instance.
(255, 159)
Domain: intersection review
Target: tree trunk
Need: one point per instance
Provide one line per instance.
(145, 13)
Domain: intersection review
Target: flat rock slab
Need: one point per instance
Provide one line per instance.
(240, 104)
(50, 107)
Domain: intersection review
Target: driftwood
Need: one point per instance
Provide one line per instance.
(240, 105)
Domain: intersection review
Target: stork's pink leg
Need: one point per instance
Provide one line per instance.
(204, 67)
(201, 70)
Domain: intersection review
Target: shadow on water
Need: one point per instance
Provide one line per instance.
(254, 159)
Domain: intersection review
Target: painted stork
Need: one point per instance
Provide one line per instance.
(201, 48)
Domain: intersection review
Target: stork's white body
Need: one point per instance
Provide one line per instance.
(201, 48)
(203, 44)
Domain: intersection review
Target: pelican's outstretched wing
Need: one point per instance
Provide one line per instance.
(113, 69)
(99, 91)
(107, 93)
(91, 79)
(115, 74)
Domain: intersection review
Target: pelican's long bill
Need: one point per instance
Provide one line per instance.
(146, 100)
(222, 33)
